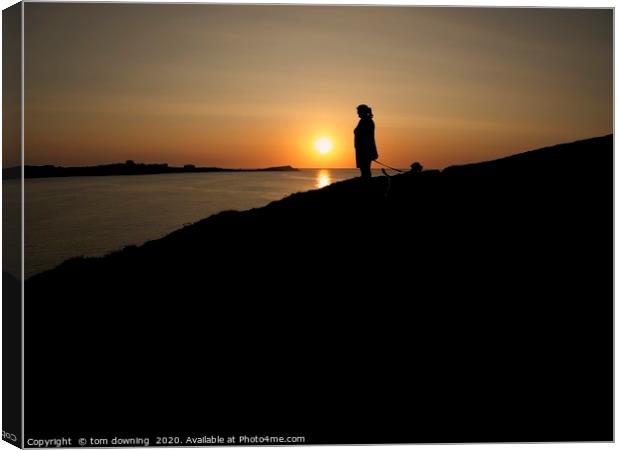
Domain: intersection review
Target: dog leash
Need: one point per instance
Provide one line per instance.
(389, 167)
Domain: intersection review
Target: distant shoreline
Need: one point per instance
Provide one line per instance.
(127, 168)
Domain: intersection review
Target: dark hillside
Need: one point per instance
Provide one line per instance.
(472, 304)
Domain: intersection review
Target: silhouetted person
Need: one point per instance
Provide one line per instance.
(365, 147)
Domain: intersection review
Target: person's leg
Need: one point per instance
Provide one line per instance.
(365, 169)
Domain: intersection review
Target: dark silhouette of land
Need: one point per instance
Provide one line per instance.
(11, 353)
(127, 168)
(472, 304)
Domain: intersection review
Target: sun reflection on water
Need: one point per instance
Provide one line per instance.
(323, 179)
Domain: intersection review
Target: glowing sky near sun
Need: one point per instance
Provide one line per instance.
(257, 86)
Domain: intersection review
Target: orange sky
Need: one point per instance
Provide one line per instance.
(255, 86)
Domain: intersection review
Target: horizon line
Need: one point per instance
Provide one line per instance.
(183, 165)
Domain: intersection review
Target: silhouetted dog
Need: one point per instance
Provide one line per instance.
(416, 167)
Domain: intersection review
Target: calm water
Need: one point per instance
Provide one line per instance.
(91, 216)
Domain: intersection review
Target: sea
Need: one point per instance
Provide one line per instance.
(93, 216)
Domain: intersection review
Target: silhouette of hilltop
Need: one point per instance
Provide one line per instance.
(472, 304)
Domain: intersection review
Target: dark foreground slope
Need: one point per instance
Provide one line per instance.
(469, 305)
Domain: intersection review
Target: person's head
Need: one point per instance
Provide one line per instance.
(364, 111)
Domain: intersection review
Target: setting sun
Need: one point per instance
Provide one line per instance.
(323, 145)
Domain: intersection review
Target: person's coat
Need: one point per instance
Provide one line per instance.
(365, 147)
